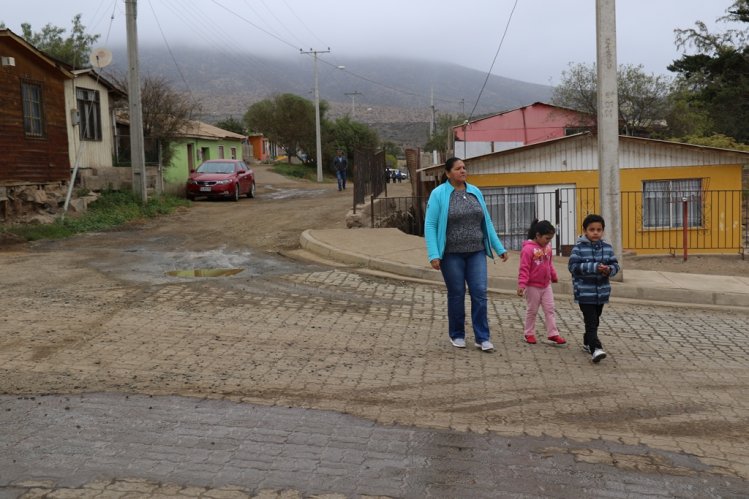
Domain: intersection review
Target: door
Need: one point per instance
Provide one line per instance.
(556, 203)
(190, 158)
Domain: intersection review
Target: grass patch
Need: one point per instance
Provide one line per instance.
(112, 209)
(299, 171)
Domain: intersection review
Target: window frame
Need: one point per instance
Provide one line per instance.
(662, 208)
(34, 122)
(88, 102)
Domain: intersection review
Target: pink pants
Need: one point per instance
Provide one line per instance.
(545, 298)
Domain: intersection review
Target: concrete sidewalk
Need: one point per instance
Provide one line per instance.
(392, 251)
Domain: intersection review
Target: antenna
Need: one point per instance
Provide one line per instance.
(100, 58)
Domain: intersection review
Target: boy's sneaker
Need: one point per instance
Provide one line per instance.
(458, 342)
(485, 346)
(586, 349)
(557, 339)
(598, 355)
(530, 339)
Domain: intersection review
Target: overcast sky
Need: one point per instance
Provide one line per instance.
(542, 38)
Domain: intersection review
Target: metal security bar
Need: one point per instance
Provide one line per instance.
(653, 221)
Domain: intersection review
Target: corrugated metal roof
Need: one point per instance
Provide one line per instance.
(198, 129)
(580, 152)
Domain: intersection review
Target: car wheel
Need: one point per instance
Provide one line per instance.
(190, 197)
(236, 193)
(251, 191)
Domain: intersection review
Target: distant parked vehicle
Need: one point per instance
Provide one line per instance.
(221, 178)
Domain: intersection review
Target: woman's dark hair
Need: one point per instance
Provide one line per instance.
(450, 162)
(592, 218)
(543, 227)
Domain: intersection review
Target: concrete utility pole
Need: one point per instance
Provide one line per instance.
(318, 138)
(608, 124)
(353, 100)
(137, 150)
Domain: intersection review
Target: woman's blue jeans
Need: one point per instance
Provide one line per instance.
(459, 269)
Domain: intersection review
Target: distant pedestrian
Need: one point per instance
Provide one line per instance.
(459, 235)
(591, 264)
(535, 275)
(340, 164)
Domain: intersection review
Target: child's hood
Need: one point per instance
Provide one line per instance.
(531, 242)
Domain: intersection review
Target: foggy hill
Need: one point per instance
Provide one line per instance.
(394, 94)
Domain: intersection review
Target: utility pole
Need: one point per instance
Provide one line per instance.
(353, 100)
(318, 139)
(432, 123)
(137, 150)
(608, 124)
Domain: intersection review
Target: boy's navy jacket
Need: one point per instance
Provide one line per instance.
(591, 286)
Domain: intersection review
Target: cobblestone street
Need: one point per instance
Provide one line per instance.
(670, 401)
(293, 379)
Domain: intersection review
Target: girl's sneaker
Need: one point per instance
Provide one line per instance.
(598, 355)
(557, 339)
(530, 339)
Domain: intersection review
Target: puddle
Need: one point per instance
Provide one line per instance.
(204, 272)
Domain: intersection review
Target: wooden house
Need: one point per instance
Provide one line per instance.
(673, 195)
(33, 115)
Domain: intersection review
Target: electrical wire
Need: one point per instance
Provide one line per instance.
(171, 54)
(488, 74)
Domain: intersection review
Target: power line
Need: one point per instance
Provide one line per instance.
(255, 25)
(488, 74)
(171, 54)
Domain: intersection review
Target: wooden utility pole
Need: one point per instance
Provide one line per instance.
(137, 150)
(608, 124)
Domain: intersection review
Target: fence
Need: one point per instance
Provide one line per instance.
(653, 221)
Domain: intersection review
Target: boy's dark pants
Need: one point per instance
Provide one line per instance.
(591, 315)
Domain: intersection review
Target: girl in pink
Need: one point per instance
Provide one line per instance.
(535, 276)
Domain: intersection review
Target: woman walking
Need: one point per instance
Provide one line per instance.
(459, 235)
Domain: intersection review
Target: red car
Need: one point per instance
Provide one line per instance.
(221, 178)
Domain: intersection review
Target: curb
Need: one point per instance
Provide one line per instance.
(625, 291)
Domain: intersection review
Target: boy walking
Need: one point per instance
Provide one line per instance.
(591, 264)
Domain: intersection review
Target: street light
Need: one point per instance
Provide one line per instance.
(318, 139)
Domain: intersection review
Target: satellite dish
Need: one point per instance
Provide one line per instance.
(100, 58)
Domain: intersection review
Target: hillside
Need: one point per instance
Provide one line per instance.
(394, 95)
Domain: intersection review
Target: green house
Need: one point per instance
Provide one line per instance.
(198, 142)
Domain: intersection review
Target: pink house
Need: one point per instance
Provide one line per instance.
(536, 122)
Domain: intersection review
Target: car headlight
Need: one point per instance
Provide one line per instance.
(192, 181)
(225, 181)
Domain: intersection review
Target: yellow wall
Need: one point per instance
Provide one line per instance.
(722, 214)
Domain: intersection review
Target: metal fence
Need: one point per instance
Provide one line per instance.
(653, 221)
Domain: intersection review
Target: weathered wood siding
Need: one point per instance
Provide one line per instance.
(31, 159)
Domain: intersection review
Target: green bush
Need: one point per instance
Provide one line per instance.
(112, 209)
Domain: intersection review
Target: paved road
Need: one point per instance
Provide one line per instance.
(296, 380)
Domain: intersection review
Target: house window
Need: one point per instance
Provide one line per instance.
(33, 117)
(221, 152)
(233, 153)
(662, 203)
(89, 110)
(512, 209)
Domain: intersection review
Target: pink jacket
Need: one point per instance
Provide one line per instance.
(536, 267)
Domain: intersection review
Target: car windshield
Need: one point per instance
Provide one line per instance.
(216, 168)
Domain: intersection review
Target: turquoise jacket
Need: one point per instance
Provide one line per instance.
(435, 223)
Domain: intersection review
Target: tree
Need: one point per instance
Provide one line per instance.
(440, 139)
(166, 112)
(348, 135)
(232, 124)
(289, 121)
(643, 98)
(73, 50)
(717, 76)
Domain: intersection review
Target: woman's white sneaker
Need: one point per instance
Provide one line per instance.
(485, 346)
(458, 342)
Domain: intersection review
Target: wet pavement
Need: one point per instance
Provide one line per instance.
(75, 442)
